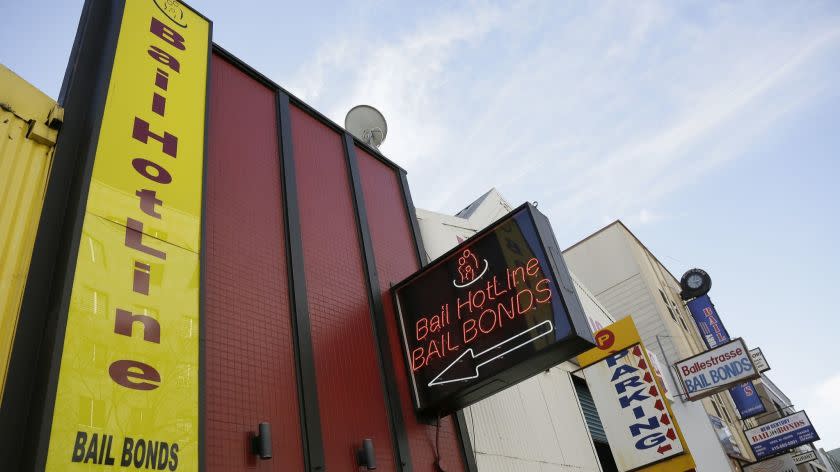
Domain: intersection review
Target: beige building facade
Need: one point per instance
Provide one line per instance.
(630, 281)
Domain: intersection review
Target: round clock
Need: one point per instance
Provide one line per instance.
(695, 283)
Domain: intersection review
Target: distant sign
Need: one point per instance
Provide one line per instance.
(746, 399)
(637, 420)
(714, 333)
(759, 360)
(716, 369)
(492, 312)
(805, 457)
(778, 436)
(783, 463)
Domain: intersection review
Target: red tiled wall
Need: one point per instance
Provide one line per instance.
(396, 259)
(350, 392)
(249, 363)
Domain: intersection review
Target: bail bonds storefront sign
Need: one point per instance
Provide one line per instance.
(711, 328)
(493, 311)
(778, 436)
(127, 391)
(637, 419)
(716, 369)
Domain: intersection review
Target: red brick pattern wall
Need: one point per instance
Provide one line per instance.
(249, 361)
(350, 392)
(395, 260)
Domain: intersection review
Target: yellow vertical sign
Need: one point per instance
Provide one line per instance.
(127, 394)
(622, 338)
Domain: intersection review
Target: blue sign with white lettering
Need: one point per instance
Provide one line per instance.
(746, 400)
(708, 322)
(714, 333)
(776, 437)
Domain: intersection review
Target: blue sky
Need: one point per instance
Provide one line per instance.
(710, 129)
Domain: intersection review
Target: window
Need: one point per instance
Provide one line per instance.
(726, 414)
(668, 305)
(717, 410)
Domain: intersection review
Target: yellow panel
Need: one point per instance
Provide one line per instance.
(88, 399)
(611, 339)
(24, 169)
(127, 391)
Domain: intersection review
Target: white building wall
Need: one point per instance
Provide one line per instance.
(536, 425)
(618, 271)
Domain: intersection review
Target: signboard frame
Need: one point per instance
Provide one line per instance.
(804, 457)
(577, 341)
(762, 367)
(709, 392)
(781, 449)
(710, 326)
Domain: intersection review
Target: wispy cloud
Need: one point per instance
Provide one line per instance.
(820, 402)
(590, 108)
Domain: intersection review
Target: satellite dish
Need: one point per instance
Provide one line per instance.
(367, 124)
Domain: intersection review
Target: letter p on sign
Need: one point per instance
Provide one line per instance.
(604, 339)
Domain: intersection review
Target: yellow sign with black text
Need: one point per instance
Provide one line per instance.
(128, 384)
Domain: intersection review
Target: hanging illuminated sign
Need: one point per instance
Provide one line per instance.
(640, 426)
(776, 437)
(127, 389)
(716, 369)
(490, 313)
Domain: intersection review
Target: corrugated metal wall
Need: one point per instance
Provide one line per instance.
(26, 153)
(590, 412)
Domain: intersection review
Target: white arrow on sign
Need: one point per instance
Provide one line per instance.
(449, 375)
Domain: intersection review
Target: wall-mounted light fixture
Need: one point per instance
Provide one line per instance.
(366, 455)
(261, 443)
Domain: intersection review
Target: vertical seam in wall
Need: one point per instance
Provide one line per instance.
(202, 268)
(307, 387)
(377, 312)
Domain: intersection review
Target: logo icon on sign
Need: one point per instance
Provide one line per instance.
(468, 269)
